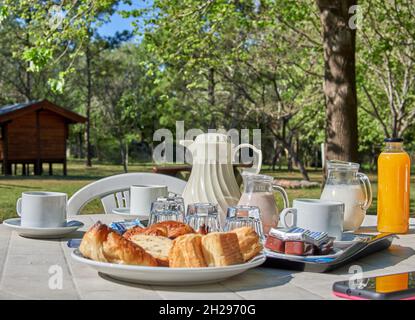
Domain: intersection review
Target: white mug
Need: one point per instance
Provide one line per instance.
(141, 197)
(42, 209)
(315, 215)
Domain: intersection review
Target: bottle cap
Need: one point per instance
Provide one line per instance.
(393, 140)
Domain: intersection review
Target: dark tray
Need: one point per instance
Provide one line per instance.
(356, 251)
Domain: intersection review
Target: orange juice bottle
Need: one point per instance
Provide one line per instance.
(393, 188)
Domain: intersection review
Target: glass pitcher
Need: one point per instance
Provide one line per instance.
(259, 192)
(345, 184)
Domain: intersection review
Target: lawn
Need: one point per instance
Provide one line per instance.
(79, 176)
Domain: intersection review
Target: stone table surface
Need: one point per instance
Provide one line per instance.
(28, 270)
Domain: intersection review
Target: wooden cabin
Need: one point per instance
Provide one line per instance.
(34, 133)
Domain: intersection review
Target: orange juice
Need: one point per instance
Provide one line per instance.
(392, 283)
(393, 188)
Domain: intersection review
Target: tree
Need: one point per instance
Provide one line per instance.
(387, 78)
(16, 81)
(95, 44)
(117, 86)
(339, 42)
(236, 55)
(54, 32)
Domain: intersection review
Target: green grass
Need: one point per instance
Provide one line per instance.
(78, 176)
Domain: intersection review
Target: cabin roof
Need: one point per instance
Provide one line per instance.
(13, 111)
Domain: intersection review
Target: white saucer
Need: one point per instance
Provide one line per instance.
(42, 233)
(121, 211)
(125, 213)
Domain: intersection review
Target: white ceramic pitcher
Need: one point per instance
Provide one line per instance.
(212, 178)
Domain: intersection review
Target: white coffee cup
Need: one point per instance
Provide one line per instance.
(142, 196)
(315, 215)
(42, 209)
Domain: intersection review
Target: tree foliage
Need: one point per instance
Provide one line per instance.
(212, 64)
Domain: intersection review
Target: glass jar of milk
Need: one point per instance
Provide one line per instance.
(345, 184)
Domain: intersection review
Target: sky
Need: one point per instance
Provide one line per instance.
(119, 23)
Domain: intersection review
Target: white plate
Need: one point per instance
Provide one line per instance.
(336, 252)
(168, 276)
(42, 233)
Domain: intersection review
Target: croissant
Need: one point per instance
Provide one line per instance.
(175, 228)
(92, 242)
(169, 229)
(100, 243)
(151, 231)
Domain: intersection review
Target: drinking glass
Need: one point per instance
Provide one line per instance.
(244, 216)
(166, 211)
(203, 217)
(176, 202)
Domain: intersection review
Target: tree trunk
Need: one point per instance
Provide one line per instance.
(28, 86)
(276, 157)
(294, 157)
(211, 95)
(289, 162)
(28, 89)
(88, 107)
(302, 167)
(126, 157)
(81, 145)
(123, 155)
(339, 42)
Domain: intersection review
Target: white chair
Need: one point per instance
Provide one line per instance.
(114, 191)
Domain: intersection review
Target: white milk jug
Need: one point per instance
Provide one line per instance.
(345, 184)
(212, 178)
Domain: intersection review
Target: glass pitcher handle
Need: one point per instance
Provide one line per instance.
(256, 166)
(364, 180)
(283, 194)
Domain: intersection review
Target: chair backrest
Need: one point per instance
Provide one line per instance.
(114, 191)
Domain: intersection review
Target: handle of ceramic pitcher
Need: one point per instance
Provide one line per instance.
(284, 195)
(364, 180)
(256, 166)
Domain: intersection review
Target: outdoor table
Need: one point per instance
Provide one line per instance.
(27, 267)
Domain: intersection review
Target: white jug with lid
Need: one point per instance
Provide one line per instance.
(212, 178)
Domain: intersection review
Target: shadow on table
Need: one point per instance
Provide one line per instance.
(387, 258)
(71, 236)
(255, 279)
(74, 235)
